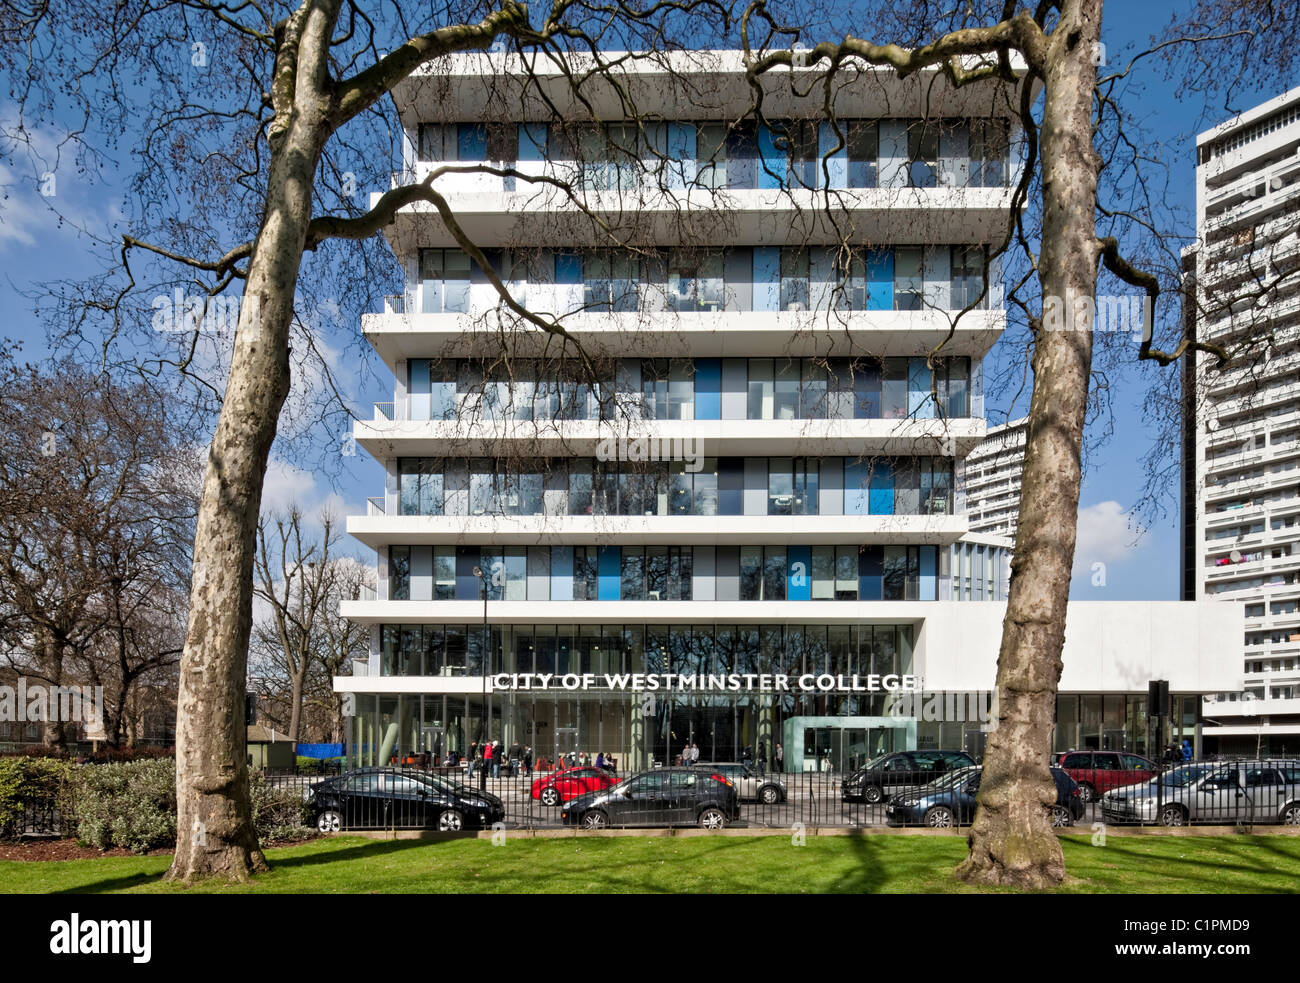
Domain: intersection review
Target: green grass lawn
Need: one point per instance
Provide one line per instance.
(833, 864)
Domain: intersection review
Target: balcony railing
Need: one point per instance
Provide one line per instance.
(376, 506)
(386, 411)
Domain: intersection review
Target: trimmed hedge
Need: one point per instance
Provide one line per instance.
(39, 782)
(318, 766)
(130, 804)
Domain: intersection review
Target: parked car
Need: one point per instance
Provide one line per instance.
(370, 798)
(1258, 791)
(950, 800)
(1097, 772)
(750, 785)
(662, 797)
(561, 786)
(890, 774)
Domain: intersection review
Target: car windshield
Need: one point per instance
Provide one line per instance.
(953, 778)
(1184, 776)
(441, 785)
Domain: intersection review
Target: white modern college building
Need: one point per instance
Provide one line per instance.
(754, 497)
(1241, 433)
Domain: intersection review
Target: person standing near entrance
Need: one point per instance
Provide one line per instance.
(695, 753)
(528, 760)
(487, 756)
(780, 758)
(762, 758)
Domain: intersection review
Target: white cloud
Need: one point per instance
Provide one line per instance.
(1106, 534)
(286, 485)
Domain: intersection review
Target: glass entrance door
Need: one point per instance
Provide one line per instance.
(566, 743)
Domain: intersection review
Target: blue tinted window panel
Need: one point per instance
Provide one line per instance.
(882, 487)
(532, 141)
(568, 268)
(919, 404)
(468, 586)
(838, 164)
(471, 142)
(421, 391)
(880, 279)
(772, 171)
(871, 573)
(609, 573)
(561, 573)
(731, 486)
(798, 582)
(681, 154)
(708, 389)
(856, 492)
(929, 585)
(767, 278)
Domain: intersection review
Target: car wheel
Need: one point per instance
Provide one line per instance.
(449, 821)
(1291, 815)
(550, 797)
(940, 817)
(712, 818)
(769, 794)
(595, 819)
(1087, 792)
(872, 794)
(329, 821)
(1173, 816)
(1061, 817)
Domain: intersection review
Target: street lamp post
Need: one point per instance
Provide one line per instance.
(483, 669)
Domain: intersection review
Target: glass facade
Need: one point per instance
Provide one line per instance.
(634, 729)
(793, 153)
(703, 486)
(716, 279)
(691, 389)
(873, 572)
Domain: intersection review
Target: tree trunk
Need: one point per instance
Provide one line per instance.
(1011, 840)
(214, 829)
(295, 713)
(54, 732)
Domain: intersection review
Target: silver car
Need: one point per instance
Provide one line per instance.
(1257, 791)
(750, 785)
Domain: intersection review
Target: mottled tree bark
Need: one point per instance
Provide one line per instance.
(1011, 840)
(215, 834)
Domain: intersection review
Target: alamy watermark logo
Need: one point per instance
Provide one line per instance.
(980, 706)
(36, 701)
(643, 449)
(102, 937)
(178, 313)
(1129, 313)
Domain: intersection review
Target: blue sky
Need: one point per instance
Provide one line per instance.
(1139, 564)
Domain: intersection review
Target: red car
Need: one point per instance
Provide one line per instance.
(561, 786)
(1098, 772)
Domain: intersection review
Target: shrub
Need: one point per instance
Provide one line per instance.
(279, 814)
(127, 804)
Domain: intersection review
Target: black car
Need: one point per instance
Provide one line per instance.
(890, 774)
(378, 798)
(663, 797)
(950, 800)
